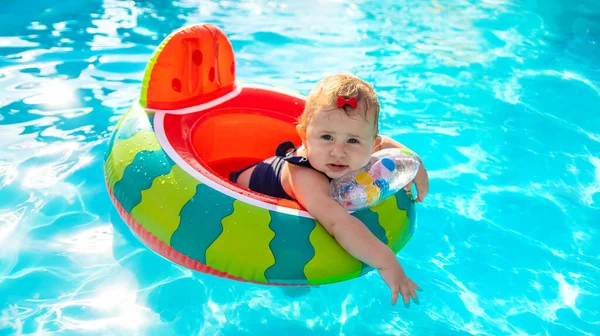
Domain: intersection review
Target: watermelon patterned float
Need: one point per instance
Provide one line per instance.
(168, 160)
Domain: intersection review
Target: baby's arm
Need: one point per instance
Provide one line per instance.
(421, 179)
(311, 189)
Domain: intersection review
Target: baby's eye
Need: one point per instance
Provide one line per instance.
(326, 137)
(353, 141)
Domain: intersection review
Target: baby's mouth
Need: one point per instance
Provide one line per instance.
(336, 167)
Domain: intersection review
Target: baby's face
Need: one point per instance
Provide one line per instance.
(337, 143)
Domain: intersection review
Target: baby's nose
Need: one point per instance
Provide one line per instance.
(338, 151)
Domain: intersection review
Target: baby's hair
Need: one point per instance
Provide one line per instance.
(324, 95)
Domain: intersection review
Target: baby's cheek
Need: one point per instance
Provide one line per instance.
(364, 159)
(359, 164)
(313, 158)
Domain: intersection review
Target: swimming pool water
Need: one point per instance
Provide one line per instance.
(500, 98)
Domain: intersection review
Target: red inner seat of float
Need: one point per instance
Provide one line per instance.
(226, 140)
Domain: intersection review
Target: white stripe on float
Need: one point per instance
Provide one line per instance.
(224, 98)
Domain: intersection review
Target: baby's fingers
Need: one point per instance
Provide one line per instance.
(413, 294)
(405, 295)
(394, 295)
(413, 291)
(422, 189)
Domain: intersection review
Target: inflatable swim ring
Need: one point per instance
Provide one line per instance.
(169, 157)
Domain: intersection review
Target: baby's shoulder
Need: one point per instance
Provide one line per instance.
(293, 176)
(298, 171)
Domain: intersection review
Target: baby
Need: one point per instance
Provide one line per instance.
(339, 132)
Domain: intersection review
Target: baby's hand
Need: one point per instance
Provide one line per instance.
(397, 281)
(421, 181)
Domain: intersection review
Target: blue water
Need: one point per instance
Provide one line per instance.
(501, 98)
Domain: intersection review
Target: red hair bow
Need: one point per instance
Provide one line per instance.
(341, 102)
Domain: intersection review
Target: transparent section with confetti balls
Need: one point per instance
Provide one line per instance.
(388, 171)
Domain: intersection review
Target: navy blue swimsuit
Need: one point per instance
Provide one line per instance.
(266, 176)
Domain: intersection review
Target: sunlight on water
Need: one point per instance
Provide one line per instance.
(591, 192)
(9, 222)
(95, 242)
(52, 94)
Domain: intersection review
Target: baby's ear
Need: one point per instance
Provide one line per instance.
(377, 143)
(301, 132)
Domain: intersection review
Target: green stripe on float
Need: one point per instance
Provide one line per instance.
(393, 220)
(242, 249)
(200, 223)
(124, 151)
(135, 120)
(158, 212)
(404, 202)
(331, 262)
(291, 248)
